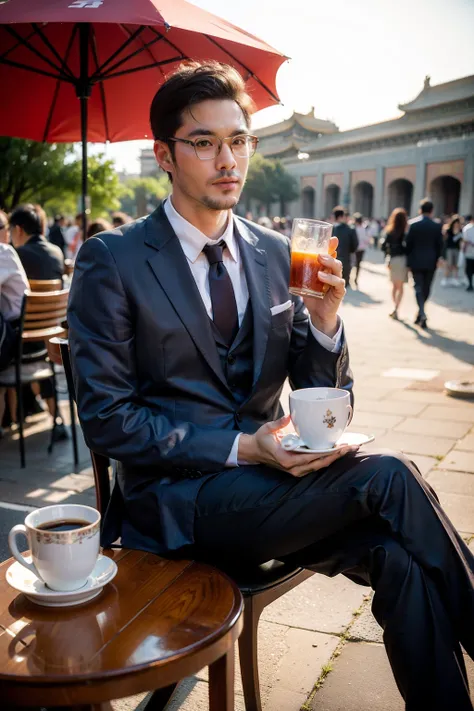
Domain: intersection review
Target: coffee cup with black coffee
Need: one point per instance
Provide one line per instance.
(64, 544)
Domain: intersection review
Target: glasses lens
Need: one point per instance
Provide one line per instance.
(206, 147)
(243, 146)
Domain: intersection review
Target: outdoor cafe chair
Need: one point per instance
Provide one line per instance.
(260, 585)
(41, 318)
(41, 285)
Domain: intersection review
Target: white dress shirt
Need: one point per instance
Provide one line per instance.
(13, 283)
(193, 242)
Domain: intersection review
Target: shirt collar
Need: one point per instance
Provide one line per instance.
(193, 240)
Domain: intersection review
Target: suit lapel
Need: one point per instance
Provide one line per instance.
(170, 267)
(255, 266)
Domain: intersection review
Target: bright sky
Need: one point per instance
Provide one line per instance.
(354, 61)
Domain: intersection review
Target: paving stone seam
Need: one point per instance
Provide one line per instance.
(328, 667)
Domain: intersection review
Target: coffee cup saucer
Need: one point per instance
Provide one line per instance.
(37, 591)
(292, 443)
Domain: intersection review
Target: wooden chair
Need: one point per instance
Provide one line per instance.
(259, 585)
(42, 285)
(41, 317)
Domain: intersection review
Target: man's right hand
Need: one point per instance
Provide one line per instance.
(264, 447)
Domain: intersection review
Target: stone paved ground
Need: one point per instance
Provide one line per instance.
(399, 372)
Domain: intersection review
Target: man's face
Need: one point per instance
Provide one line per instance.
(201, 181)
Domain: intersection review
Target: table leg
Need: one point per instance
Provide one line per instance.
(221, 683)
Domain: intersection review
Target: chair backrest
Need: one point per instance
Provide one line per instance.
(42, 314)
(100, 463)
(45, 284)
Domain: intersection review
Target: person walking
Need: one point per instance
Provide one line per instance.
(363, 239)
(424, 246)
(347, 242)
(395, 249)
(56, 233)
(468, 249)
(452, 245)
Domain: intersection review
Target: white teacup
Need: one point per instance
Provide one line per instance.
(320, 415)
(63, 559)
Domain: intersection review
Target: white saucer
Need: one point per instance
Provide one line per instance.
(35, 589)
(348, 438)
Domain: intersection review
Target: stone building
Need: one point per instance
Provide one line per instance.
(429, 150)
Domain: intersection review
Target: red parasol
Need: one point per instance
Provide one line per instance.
(112, 55)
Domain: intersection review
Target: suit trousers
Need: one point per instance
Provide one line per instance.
(423, 279)
(373, 518)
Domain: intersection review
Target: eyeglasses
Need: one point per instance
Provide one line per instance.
(209, 147)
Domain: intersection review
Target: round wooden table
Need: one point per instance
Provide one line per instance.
(156, 623)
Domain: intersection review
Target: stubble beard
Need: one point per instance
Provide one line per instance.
(219, 204)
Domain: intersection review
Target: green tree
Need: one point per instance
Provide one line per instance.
(30, 171)
(286, 186)
(141, 192)
(268, 182)
(50, 174)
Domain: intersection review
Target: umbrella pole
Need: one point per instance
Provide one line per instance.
(84, 117)
(83, 90)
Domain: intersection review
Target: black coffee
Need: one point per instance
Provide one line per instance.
(69, 524)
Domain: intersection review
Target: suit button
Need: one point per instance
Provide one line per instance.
(238, 417)
(231, 359)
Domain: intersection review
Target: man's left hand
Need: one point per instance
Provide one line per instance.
(323, 312)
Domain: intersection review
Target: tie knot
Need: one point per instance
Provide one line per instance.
(214, 252)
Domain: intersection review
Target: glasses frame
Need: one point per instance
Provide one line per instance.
(253, 145)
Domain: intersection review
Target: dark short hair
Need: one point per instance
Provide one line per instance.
(26, 217)
(338, 212)
(96, 227)
(120, 218)
(192, 83)
(426, 206)
(468, 218)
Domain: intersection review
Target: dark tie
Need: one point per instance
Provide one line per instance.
(224, 307)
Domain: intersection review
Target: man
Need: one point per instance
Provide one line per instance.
(56, 233)
(363, 240)
(41, 260)
(373, 230)
(182, 334)
(468, 248)
(424, 246)
(74, 237)
(13, 284)
(348, 242)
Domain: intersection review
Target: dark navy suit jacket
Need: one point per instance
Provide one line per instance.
(151, 391)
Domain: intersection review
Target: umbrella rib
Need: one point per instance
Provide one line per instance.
(34, 70)
(52, 48)
(126, 59)
(15, 46)
(20, 39)
(251, 73)
(143, 67)
(125, 29)
(132, 37)
(58, 85)
(171, 44)
(101, 88)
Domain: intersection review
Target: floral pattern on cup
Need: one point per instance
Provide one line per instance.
(329, 420)
(62, 538)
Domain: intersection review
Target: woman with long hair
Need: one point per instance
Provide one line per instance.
(452, 244)
(394, 248)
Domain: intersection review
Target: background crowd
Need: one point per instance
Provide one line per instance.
(33, 246)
